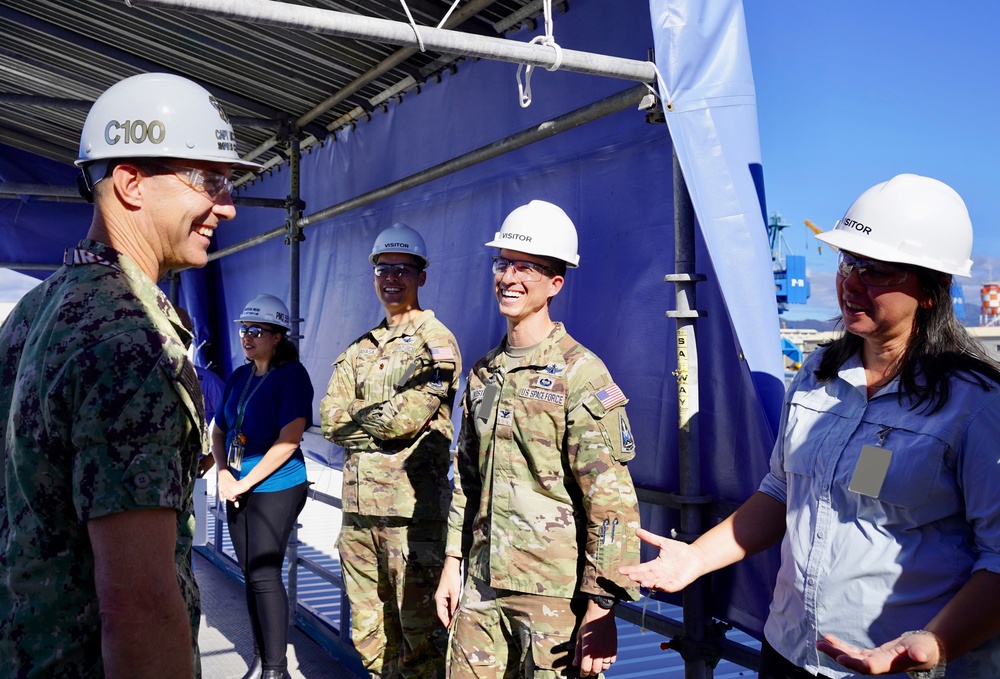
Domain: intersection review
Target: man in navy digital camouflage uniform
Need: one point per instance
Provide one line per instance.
(100, 411)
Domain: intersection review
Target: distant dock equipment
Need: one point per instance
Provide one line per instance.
(790, 283)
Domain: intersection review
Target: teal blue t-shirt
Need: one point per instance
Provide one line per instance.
(272, 401)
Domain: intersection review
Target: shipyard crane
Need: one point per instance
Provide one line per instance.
(790, 283)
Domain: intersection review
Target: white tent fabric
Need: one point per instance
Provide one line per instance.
(704, 62)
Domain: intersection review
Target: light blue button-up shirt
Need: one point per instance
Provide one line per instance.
(867, 568)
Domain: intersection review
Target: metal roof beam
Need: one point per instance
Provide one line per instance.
(140, 64)
(272, 13)
(328, 22)
(36, 146)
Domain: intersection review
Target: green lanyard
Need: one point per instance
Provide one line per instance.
(245, 400)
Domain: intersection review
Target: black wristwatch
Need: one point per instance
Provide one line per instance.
(604, 601)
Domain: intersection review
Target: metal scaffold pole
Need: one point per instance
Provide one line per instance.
(692, 503)
(294, 239)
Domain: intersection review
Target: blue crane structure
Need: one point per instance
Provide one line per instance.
(790, 283)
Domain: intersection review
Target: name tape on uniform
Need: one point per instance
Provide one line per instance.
(542, 395)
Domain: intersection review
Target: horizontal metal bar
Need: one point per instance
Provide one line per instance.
(23, 189)
(347, 25)
(30, 266)
(320, 571)
(613, 104)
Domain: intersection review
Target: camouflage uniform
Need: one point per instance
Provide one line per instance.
(100, 412)
(544, 503)
(389, 404)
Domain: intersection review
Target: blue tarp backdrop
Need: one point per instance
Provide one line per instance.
(613, 177)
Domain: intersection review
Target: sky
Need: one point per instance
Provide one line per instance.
(853, 92)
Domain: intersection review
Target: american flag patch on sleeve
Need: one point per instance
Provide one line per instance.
(611, 396)
(442, 354)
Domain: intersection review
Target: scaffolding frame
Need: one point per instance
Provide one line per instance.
(700, 641)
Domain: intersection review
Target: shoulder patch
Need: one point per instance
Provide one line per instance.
(628, 443)
(443, 353)
(610, 396)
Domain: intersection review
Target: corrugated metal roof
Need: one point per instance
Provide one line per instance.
(57, 56)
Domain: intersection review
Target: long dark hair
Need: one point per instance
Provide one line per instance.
(286, 351)
(938, 349)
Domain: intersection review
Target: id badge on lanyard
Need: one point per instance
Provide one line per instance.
(236, 448)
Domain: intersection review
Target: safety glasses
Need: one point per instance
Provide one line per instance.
(871, 271)
(253, 331)
(396, 270)
(523, 270)
(213, 184)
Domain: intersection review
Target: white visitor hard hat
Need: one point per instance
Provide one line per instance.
(399, 238)
(539, 228)
(908, 220)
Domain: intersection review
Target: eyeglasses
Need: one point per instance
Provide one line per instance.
(253, 331)
(523, 270)
(213, 183)
(396, 270)
(871, 271)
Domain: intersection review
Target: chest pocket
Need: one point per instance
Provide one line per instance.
(812, 422)
(918, 471)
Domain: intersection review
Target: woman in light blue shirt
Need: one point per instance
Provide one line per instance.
(883, 482)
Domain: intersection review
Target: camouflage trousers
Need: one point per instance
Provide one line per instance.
(391, 570)
(496, 633)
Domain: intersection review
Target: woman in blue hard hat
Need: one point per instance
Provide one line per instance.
(882, 483)
(267, 406)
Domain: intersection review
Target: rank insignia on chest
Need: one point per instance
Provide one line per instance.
(505, 417)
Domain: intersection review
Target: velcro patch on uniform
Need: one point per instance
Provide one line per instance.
(628, 442)
(505, 417)
(610, 396)
(545, 383)
(404, 348)
(542, 395)
(364, 351)
(442, 354)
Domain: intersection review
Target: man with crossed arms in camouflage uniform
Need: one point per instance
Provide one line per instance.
(544, 510)
(389, 405)
(101, 416)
